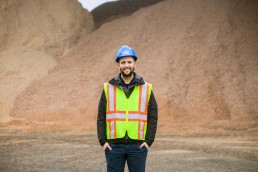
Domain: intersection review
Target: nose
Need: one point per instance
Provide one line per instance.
(127, 64)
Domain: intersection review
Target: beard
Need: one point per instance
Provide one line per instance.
(127, 75)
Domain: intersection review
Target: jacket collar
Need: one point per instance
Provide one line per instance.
(118, 82)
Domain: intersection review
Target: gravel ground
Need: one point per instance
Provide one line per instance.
(62, 152)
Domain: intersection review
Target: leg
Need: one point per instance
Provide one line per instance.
(115, 158)
(136, 157)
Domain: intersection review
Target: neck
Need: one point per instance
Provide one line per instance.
(128, 79)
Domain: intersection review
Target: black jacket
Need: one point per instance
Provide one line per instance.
(152, 116)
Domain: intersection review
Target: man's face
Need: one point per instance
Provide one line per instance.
(127, 66)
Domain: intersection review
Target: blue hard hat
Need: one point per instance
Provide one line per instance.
(125, 51)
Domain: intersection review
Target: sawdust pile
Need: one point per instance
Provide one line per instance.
(33, 36)
(201, 57)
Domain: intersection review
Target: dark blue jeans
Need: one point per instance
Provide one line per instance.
(130, 153)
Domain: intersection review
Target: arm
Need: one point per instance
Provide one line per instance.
(101, 120)
(151, 120)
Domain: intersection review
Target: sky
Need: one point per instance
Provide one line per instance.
(91, 4)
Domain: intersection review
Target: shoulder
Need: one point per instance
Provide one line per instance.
(115, 81)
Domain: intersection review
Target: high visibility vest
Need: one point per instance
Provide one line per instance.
(127, 114)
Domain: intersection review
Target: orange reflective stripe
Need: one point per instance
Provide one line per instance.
(135, 112)
(111, 112)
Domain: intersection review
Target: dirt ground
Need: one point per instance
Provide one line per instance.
(58, 151)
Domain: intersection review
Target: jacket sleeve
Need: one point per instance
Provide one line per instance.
(152, 120)
(101, 120)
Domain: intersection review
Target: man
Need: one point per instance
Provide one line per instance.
(127, 116)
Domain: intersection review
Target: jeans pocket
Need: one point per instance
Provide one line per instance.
(143, 148)
(111, 145)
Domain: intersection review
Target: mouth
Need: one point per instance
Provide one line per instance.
(127, 68)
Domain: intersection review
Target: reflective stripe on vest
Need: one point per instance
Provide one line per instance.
(141, 129)
(129, 118)
(143, 97)
(111, 97)
(117, 116)
(112, 129)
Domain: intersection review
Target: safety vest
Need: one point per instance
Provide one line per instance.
(127, 114)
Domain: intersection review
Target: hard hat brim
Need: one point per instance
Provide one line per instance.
(117, 59)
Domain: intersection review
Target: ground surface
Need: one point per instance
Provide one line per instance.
(62, 152)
